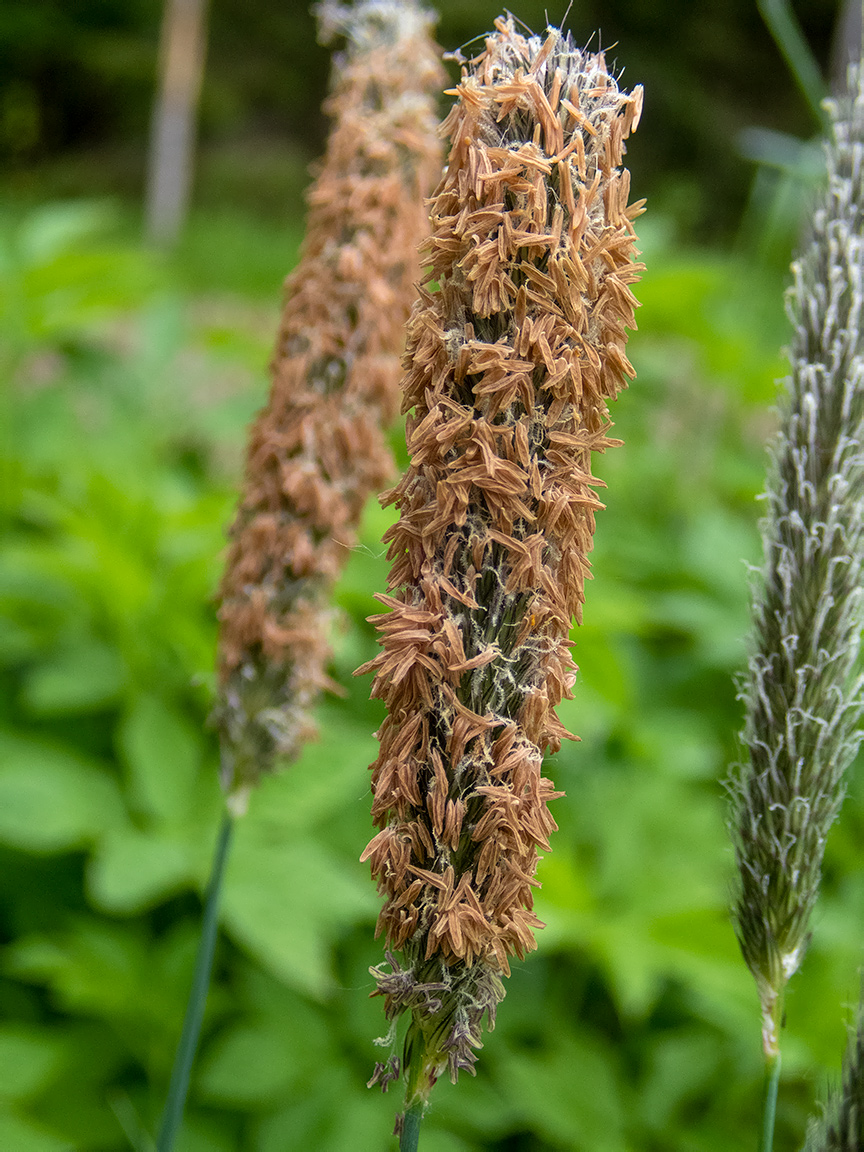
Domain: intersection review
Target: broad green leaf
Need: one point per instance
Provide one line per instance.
(564, 902)
(28, 1058)
(107, 971)
(435, 1139)
(250, 1066)
(678, 1066)
(162, 753)
(277, 1050)
(204, 1134)
(570, 1094)
(50, 799)
(700, 948)
(81, 679)
(18, 1134)
(337, 1113)
(360, 1121)
(478, 1107)
(51, 229)
(96, 969)
(132, 870)
(680, 742)
(283, 902)
(331, 774)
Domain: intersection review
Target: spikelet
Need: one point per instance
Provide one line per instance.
(803, 693)
(510, 363)
(317, 451)
(841, 1127)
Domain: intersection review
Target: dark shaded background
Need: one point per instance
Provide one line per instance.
(77, 84)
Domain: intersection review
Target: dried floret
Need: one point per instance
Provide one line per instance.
(515, 347)
(317, 451)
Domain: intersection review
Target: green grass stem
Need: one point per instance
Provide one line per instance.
(178, 1087)
(784, 27)
(410, 1137)
(417, 1088)
(772, 1081)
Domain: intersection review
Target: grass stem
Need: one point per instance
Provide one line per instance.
(772, 1080)
(418, 1085)
(784, 27)
(410, 1137)
(184, 1058)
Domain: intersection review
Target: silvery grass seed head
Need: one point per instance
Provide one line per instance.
(803, 689)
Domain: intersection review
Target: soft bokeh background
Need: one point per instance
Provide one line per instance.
(128, 377)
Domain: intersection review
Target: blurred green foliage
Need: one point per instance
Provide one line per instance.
(127, 383)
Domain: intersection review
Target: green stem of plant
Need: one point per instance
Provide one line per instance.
(772, 1080)
(415, 1096)
(184, 1058)
(784, 27)
(410, 1137)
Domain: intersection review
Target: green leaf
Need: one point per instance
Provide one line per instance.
(331, 774)
(112, 972)
(250, 1066)
(163, 754)
(284, 902)
(50, 229)
(276, 1051)
(437, 1140)
(133, 870)
(478, 1106)
(205, 1134)
(572, 1094)
(679, 1066)
(50, 799)
(80, 679)
(28, 1058)
(20, 1135)
(96, 969)
(337, 1113)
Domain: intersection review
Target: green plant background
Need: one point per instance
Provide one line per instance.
(128, 379)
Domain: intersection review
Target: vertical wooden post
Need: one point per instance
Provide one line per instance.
(172, 138)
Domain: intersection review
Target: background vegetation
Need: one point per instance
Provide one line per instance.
(127, 381)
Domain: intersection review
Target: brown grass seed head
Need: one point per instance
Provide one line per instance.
(515, 347)
(317, 451)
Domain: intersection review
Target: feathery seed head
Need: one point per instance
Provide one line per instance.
(317, 451)
(803, 691)
(511, 359)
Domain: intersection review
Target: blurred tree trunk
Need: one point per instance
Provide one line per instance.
(172, 139)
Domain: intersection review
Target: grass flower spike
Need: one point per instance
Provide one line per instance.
(803, 693)
(317, 452)
(513, 352)
(841, 1128)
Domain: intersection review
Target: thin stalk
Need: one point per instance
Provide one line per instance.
(784, 27)
(415, 1098)
(139, 1138)
(410, 1137)
(772, 1081)
(178, 1087)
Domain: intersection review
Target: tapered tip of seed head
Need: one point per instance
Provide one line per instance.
(508, 51)
(369, 22)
